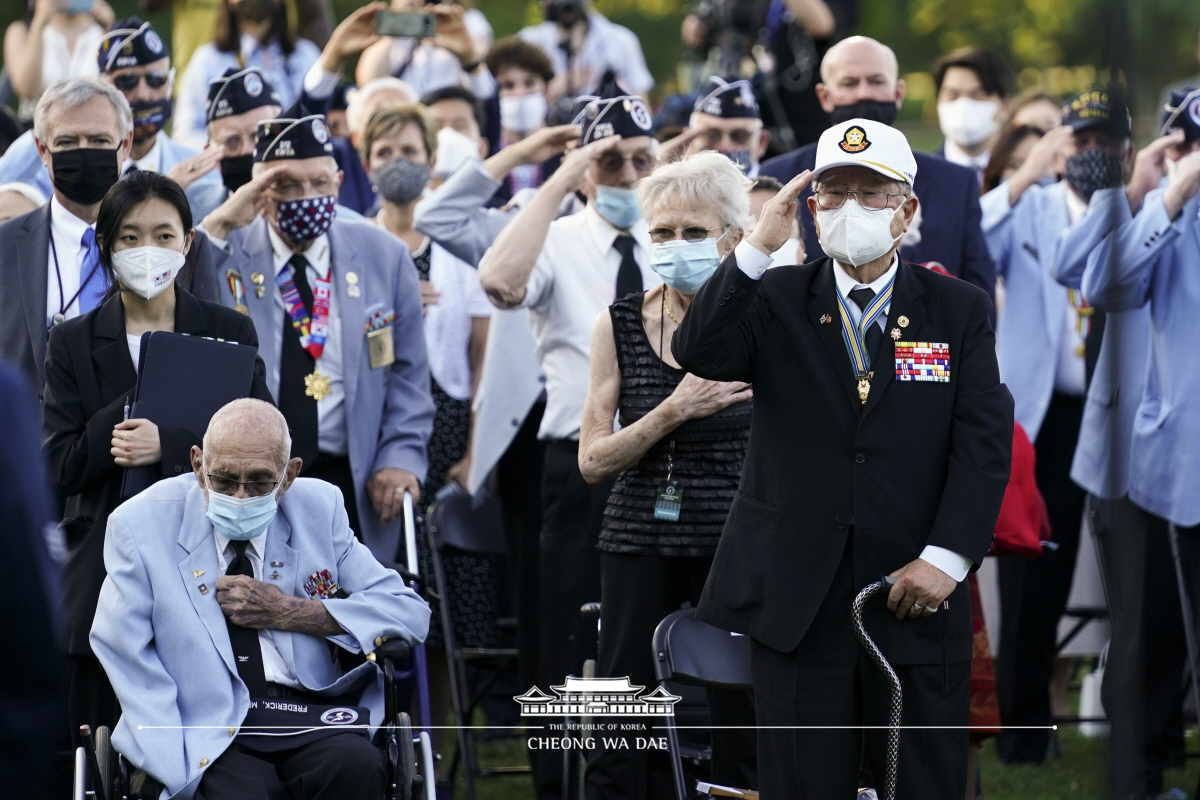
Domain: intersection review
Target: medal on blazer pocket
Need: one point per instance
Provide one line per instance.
(927, 362)
(378, 328)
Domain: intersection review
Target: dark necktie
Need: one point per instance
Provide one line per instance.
(295, 363)
(247, 651)
(629, 276)
(873, 335)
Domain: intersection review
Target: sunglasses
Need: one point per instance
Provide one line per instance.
(612, 163)
(128, 81)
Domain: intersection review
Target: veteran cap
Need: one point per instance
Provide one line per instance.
(866, 143)
(730, 100)
(278, 139)
(1182, 113)
(1098, 108)
(611, 113)
(130, 43)
(238, 91)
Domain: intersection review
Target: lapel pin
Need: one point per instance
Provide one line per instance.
(257, 278)
(276, 563)
(274, 576)
(896, 334)
(826, 318)
(351, 278)
(902, 322)
(203, 589)
(259, 291)
(196, 573)
(353, 291)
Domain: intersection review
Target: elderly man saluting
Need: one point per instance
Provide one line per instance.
(880, 445)
(228, 594)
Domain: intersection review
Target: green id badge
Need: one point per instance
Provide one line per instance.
(668, 501)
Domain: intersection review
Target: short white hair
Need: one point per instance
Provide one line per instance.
(246, 417)
(356, 109)
(30, 193)
(706, 180)
(71, 93)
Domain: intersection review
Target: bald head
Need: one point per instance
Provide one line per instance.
(249, 426)
(856, 69)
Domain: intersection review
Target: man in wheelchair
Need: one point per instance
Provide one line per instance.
(228, 596)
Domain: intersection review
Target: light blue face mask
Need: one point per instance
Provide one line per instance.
(241, 518)
(618, 206)
(683, 265)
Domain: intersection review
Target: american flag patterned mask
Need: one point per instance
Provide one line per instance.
(305, 219)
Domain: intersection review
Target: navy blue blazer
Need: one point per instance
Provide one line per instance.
(950, 231)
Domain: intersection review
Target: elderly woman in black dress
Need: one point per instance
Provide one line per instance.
(679, 436)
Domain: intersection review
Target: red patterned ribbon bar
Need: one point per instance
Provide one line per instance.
(923, 361)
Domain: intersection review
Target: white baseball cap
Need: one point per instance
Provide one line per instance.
(866, 143)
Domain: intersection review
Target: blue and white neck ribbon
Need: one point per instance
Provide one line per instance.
(854, 336)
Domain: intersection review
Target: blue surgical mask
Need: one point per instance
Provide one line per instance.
(618, 206)
(683, 265)
(241, 518)
(743, 158)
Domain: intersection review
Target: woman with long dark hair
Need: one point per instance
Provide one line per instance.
(144, 232)
(249, 33)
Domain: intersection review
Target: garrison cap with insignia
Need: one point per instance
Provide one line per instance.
(1098, 108)
(1182, 113)
(278, 139)
(129, 43)
(729, 100)
(239, 91)
(611, 113)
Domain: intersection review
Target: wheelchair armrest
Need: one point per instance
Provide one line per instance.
(394, 649)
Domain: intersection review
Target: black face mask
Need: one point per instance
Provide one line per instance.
(875, 110)
(235, 171)
(149, 116)
(85, 175)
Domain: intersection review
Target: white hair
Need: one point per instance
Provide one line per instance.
(706, 180)
(358, 109)
(71, 93)
(30, 193)
(249, 417)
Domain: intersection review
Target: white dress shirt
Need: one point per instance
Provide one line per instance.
(606, 46)
(151, 162)
(331, 409)
(274, 667)
(572, 283)
(428, 68)
(754, 263)
(66, 232)
(956, 155)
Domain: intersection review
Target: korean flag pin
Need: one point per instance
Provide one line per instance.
(826, 318)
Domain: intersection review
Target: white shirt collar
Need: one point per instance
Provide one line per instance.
(846, 284)
(258, 544)
(152, 161)
(1076, 205)
(956, 155)
(66, 227)
(317, 253)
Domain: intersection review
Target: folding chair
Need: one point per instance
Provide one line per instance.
(692, 652)
(473, 525)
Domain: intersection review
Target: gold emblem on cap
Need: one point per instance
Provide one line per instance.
(854, 140)
(257, 278)
(902, 322)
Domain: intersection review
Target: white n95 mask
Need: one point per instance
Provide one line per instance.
(453, 149)
(968, 122)
(147, 271)
(855, 235)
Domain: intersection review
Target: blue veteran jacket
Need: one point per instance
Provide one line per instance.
(1101, 464)
(1152, 260)
(20, 163)
(164, 642)
(389, 410)
(1029, 329)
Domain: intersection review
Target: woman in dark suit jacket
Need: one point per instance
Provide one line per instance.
(144, 231)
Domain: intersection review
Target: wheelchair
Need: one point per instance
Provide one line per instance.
(103, 774)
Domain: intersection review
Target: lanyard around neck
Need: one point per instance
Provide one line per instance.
(854, 336)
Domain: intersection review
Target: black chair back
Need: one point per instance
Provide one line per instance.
(473, 524)
(687, 650)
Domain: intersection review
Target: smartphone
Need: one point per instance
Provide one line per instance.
(408, 24)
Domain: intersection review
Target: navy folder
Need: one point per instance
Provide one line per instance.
(182, 381)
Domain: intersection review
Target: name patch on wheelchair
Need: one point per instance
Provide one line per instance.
(294, 719)
(668, 500)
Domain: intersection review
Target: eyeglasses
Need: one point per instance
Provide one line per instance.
(227, 485)
(295, 190)
(235, 143)
(128, 81)
(612, 163)
(692, 234)
(831, 197)
(739, 136)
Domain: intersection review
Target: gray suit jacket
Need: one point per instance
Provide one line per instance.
(389, 410)
(25, 243)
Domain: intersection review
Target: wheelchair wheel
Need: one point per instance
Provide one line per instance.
(408, 758)
(106, 760)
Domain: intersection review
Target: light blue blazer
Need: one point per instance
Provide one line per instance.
(164, 643)
(20, 164)
(1029, 328)
(1101, 464)
(1152, 260)
(389, 410)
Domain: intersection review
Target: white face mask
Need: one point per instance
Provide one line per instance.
(968, 122)
(453, 149)
(523, 112)
(855, 235)
(147, 271)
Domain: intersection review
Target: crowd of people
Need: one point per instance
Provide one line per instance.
(659, 336)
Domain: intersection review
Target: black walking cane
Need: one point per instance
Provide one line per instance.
(893, 746)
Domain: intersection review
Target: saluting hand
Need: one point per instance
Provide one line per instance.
(1185, 182)
(774, 226)
(545, 143)
(135, 443)
(919, 589)
(190, 170)
(242, 206)
(575, 165)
